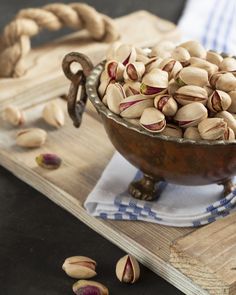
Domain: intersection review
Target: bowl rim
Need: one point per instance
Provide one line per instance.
(92, 82)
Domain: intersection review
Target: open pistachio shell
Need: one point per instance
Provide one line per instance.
(125, 54)
(172, 130)
(229, 134)
(134, 71)
(153, 63)
(191, 93)
(192, 76)
(133, 106)
(214, 57)
(212, 128)
(192, 133)
(171, 66)
(154, 82)
(153, 120)
(115, 94)
(219, 101)
(232, 107)
(194, 48)
(115, 70)
(228, 118)
(163, 49)
(127, 269)
(228, 64)
(181, 54)
(191, 114)
(223, 81)
(166, 104)
(84, 287)
(131, 87)
(203, 64)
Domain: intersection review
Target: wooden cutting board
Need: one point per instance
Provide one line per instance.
(168, 251)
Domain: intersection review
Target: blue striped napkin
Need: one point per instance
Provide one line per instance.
(213, 23)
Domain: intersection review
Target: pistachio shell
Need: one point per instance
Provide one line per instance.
(190, 93)
(192, 76)
(203, 64)
(171, 66)
(191, 114)
(154, 63)
(194, 48)
(223, 81)
(115, 70)
(232, 107)
(219, 101)
(53, 114)
(154, 82)
(83, 287)
(153, 120)
(172, 87)
(172, 130)
(228, 118)
(214, 57)
(13, 115)
(212, 128)
(229, 134)
(133, 106)
(103, 86)
(114, 95)
(125, 54)
(209, 90)
(131, 88)
(31, 138)
(79, 267)
(134, 71)
(163, 49)
(127, 269)
(192, 133)
(228, 64)
(166, 104)
(181, 54)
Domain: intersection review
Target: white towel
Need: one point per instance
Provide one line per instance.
(211, 22)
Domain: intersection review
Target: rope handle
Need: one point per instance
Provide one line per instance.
(15, 40)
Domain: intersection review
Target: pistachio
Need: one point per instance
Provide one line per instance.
(53, 114)
(131, 88)
(13, 115)
(191, 114)
(172, 130)
(153, 120)
(125, 54)
(31, 138)
(212, 128)
(232, 107)
(190, 93)
(83, 287)
(115, 70)
(228, 64)
(194, 48)
(163, 49)
(214, 57)
(142, 58)
(134, 71)
(181, 54)
(203, 64)
(171, 66)
(229, 134)
(166, 104)
(48, 161)
(219, 101)
(192, 76)
(104, 84)
(172, 87)
(192, 133)
(114, 95)
(133, 106)
(153, 63)
(79, 267)
(223, 81)
(127, 269)
(228, 118)
(155, 82)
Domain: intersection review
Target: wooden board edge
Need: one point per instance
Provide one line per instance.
(64, 200)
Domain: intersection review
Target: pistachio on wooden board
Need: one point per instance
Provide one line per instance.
(80, 267)
(53, 114)
(31, 137)
(171, 89)
(127, 269)
(83, 287)
(13, 115)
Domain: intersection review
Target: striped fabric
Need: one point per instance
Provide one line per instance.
(213, 23)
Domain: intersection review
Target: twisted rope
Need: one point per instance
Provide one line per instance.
(15, 40)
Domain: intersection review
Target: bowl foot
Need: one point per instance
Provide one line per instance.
(229, 186)
(144, 189)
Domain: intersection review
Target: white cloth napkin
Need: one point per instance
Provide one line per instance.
(211, 22)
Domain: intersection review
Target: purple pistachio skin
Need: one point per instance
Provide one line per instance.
(48, 161)
(88, 290)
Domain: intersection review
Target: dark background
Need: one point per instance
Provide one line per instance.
(36, 235)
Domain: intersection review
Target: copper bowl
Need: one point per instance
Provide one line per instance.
(159, 157)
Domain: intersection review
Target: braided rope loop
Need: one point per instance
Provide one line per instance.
(15, 40)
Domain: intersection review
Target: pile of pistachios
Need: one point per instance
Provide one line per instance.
(178, 91)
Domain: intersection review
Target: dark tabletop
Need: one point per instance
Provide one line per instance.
(36, 235)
